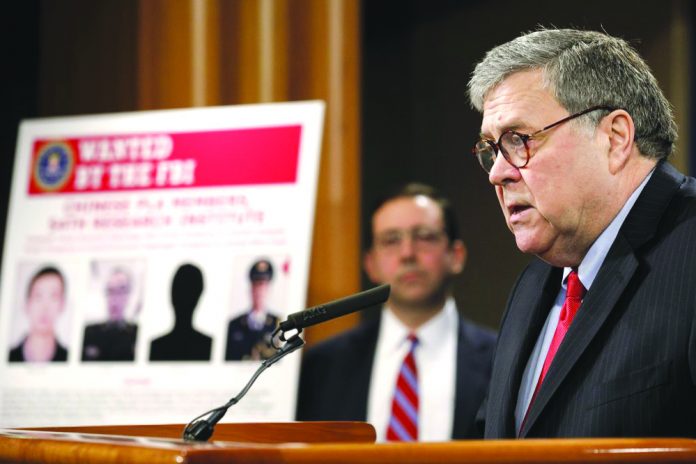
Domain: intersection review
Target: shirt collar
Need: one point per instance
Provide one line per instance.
(429, 334)
(589, 267)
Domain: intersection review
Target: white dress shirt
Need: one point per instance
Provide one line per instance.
(436, 361)
(587, 271)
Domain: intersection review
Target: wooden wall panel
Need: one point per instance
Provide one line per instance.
(178, 53)
(254, 35)
(164, 54)
(327, 66)
(264, 51)
(121, 55)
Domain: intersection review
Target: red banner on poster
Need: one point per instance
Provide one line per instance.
(267, 155)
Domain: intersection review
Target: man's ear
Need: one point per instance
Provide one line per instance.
(619, 127)
(371, 266)
(458, 254)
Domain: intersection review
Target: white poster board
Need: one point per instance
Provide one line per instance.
(104, 211)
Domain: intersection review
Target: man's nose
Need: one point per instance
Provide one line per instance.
(502, 172)
(407, 246)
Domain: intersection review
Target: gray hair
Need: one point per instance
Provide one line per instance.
(583, 69)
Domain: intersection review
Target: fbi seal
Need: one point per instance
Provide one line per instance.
(53, 166)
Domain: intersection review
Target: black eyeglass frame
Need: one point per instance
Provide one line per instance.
(498, 147)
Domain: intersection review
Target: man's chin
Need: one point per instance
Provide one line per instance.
(527, 243)
(552, 255)
(411, 298)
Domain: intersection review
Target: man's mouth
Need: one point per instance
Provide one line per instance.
(518, 208)
(516, 211)
(409, 276)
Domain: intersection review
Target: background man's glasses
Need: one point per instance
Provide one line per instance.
(513, 145)
(422, 238)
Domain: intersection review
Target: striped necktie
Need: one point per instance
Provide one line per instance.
(403, 423)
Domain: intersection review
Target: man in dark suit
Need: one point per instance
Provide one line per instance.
(417, 250)
(598, 338)
(114, 339)
(248, 335)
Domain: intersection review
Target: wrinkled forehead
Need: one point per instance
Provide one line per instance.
(522, 101)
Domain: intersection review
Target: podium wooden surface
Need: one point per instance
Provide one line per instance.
(311, 442)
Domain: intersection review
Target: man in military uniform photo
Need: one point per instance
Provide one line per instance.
(248, 334)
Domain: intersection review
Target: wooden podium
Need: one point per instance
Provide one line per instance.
(311, 442)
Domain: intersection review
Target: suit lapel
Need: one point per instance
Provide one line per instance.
(459, 383)
(521, 328)
(359, 368)
(615, 274)
(466, 403)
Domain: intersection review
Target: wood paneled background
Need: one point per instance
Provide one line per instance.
(393, 74)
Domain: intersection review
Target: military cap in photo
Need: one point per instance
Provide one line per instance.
(261, 270)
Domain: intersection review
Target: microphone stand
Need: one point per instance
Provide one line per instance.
(202, 430)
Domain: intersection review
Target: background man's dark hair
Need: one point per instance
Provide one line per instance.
(412, 190)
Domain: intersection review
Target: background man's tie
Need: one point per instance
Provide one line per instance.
(403, 423)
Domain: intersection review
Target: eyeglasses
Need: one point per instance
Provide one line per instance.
(117, 290)
(513, 145)
(423, 238)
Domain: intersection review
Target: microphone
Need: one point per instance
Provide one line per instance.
(200, 429)
(336, 308)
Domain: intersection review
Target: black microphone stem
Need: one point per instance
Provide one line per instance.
(202, 430)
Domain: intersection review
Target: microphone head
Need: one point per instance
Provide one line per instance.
(336, 308)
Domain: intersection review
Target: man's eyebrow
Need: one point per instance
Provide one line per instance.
(515, 125)
(390, 230)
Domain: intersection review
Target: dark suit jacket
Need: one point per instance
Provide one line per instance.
(109, 341)
(627, 366)
(335, 376)
(181, 344)
(245, 342)
(17, 353)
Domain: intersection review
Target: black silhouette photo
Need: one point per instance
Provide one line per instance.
(183, 343)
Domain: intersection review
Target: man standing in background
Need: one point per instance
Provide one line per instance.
(420, 370)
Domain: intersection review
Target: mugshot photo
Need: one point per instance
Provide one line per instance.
(40, 329)
(258, 295)
(115, 302)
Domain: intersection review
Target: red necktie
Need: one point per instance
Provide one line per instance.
(574, 294)
(403, 423)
